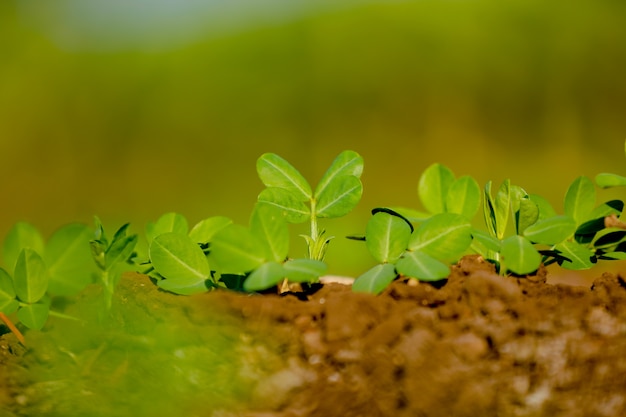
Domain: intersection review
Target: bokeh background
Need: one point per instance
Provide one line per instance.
(130, 109)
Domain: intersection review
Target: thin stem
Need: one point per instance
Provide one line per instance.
(314, 234)
(13, 329)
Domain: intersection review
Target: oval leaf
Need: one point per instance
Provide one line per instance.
(69, 260)
(235, 250)
(421, 266)
(433, 187)
(519, 255)
(304, 270)
(265, 276)
(274, 171)
(605, 180)
(340, 197)
(295, 211)
(579, 256)
(580, 199)
(8, 303)
(31, 277)
(177, 258)
(552, 230)
(376, 279)
(22, 235)
(444, 236)
(204, 231)
(169, 222)
(346, 163)
(387, 237)
(463, 197)
(33, 316)
(270, 227)
(545, 208)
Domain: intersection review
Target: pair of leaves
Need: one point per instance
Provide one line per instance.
(337, 193)
(441, 192)
(419, 254)
(272, 273)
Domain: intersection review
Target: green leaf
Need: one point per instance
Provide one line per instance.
(609, 237)
(421, 266)
(120, 251)
(304, 270)
(587, 231)
(502, 204)
(614, 256)
(387, 237)
(30, 279)
(177, 258)
(235, 250)
(274, 171)
(433, 187)
(526, 216)
(69, 260)
(580, 257)
(552, 230)
(580, 199)
(204, 231)
(295, 211)
(33, 316)
(346, 163)
(520, 256)
(605, 180)
(376, 279)
(265, 276)
(21, 236)
(444, 236)
(8, 303)
(463, 197)
(545, 208)
(340, 197)
(270, 227)
(169, 222)
(489, 210)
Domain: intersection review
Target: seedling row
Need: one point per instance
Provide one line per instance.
(521, 231)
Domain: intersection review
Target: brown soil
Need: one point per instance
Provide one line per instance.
(480, 345)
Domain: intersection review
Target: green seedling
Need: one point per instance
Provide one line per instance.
(337, 193)
(576, 239)
(441, 192)
(217, 253)
(422, 253)
(42, 271)
(112, 257)
(259, 254)
(178, 257)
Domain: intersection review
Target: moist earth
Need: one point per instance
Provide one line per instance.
(474, 344)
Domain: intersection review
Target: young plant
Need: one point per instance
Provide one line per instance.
(178, 257)
(422, 253)
(40, 271)
(574, 240)
(112, 257)
(337, 193)
(259, 254)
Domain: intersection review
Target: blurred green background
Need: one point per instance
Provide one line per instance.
(130, 109)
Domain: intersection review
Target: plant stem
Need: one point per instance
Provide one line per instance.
(13, 329)
(314, 234)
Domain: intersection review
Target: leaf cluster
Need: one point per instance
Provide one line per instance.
(35, 271)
